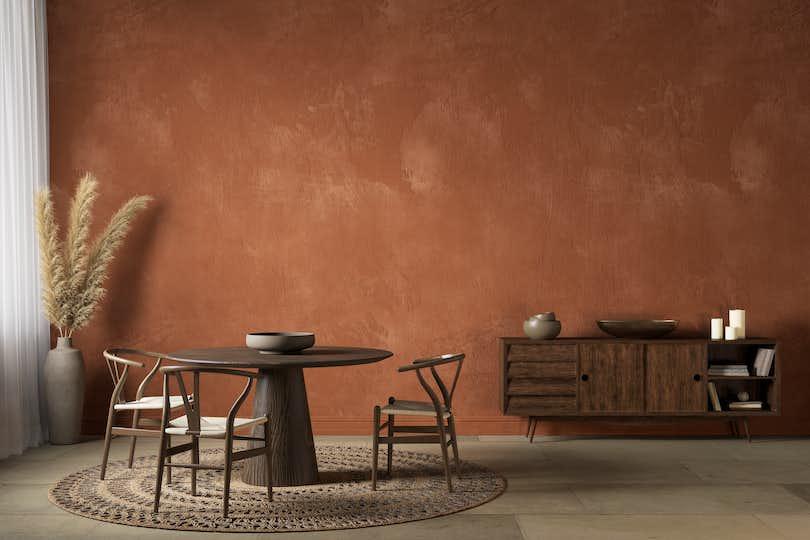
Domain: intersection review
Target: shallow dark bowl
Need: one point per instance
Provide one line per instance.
(640, 329)
(280, 342)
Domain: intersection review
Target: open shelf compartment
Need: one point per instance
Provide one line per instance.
(759, 388)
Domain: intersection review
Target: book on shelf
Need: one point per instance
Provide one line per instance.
(761, 355)
(763, 362)
(729, 370)
(712, 389)
(745, 405)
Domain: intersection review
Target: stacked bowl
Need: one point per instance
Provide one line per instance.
(542, 326)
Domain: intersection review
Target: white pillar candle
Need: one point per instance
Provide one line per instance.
(736, 318)
(731, 333)
(717, 328)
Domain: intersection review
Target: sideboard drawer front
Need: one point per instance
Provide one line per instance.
(541, 405)
(543, 353)
(543, 370)
(542, 387)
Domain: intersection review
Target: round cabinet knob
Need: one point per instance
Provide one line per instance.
(696, 376)
(584, 377)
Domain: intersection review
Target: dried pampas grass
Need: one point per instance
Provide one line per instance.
(52, 263)
(73, 273)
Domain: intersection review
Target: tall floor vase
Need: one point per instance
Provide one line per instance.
(64, 392)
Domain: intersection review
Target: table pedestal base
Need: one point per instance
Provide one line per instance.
(282, 394)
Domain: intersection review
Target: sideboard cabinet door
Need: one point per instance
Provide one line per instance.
(675, 378)
(611, 378)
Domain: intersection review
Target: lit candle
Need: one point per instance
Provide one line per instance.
(731, 333)
(736, 318)
(717, 328)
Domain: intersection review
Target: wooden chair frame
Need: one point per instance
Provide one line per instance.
(437, 433)
(118, 368)
(192, 410)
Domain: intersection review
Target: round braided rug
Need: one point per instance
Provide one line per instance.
(342, 500)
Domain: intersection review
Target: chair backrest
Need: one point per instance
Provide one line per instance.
(118, 366)
(431, 363)
(192, 407)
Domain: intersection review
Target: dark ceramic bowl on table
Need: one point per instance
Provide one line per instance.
(638, 328)
(280, 342)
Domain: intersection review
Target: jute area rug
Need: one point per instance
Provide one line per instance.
(342, 500)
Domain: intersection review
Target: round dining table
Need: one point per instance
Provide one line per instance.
(281, 393)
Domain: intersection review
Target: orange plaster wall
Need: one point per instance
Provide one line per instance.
(421, 176)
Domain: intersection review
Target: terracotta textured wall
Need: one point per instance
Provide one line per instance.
(420, 176)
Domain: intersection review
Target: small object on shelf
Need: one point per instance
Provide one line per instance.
(761, 354)
(639, 329)
(717, 329)
(763, 362)
(712, 389)
(745, 406)
(729, 370)
(766, 366)
(743, 396)
(545, 316)
(537, 328)
(736, 319)
(280, 342)
(731, 333)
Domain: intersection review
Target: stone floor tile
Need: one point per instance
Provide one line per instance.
(61, 526)
(681, 527)
(695, 499)
(800, 490)
(532, 498)
(743, 471)
(790, 526)
(26, 499)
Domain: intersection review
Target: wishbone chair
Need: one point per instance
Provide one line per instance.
(118, 367)
(441, 410)
(215, 427)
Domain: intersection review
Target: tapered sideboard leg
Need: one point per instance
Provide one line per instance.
(534, 427)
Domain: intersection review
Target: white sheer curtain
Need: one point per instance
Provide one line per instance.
(23, 169)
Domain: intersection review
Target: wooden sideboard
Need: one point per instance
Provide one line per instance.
(568, 377)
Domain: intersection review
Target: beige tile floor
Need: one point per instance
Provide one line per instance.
(559, 489)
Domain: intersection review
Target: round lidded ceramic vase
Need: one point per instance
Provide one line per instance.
(541, 329)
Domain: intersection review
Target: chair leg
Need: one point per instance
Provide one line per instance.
(268, 456)
(375, 445)
(195, 459)
(135, 418)
(107, 438)
(169, 460)
(160, 465)
(445, 457)
(451, 422)
(529, 426)
(534, 428)
(226, 495)
(390, 445)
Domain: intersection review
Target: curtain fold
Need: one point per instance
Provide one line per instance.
(24, 333)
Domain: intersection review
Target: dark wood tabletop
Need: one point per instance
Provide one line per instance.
(244, 357)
